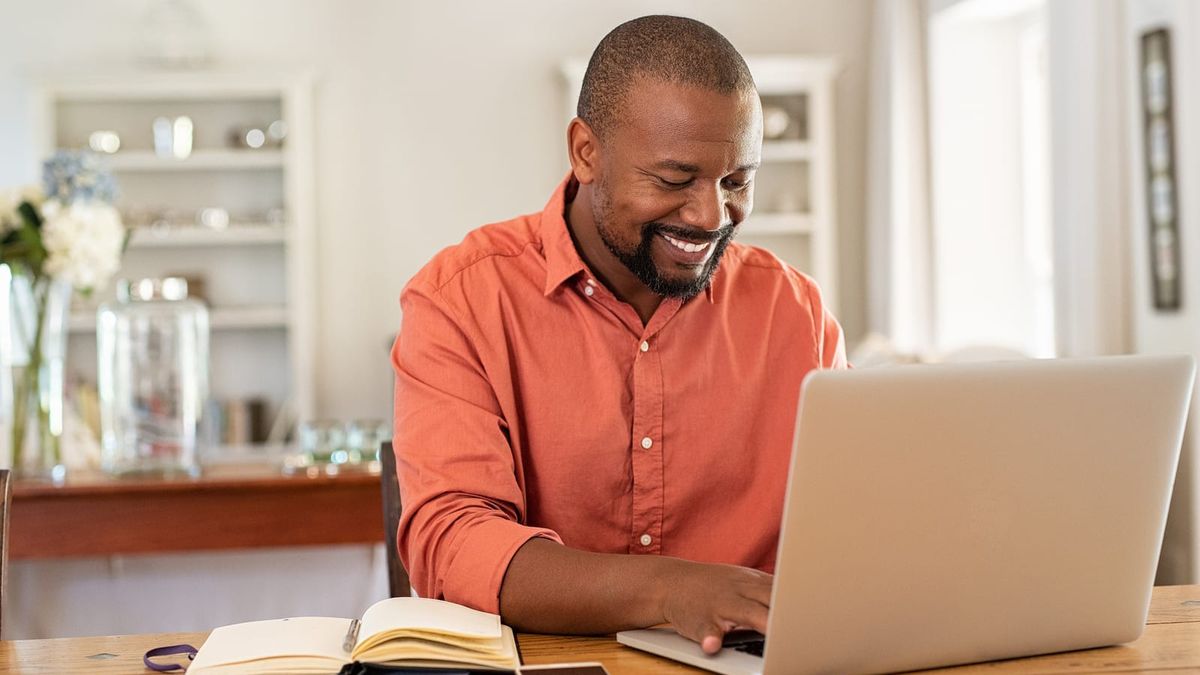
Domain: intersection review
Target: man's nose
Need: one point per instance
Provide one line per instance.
(705, 208)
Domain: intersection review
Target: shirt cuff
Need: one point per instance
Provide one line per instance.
(477, 571)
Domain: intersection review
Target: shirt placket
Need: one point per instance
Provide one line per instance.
(647, 441)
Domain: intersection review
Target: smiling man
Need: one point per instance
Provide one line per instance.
(595, 403)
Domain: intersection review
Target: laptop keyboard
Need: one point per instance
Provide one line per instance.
(747, 642)
(754, 648)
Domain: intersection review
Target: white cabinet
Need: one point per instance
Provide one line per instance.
(794, 212)
(257, 271)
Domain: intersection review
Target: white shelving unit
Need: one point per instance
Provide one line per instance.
(794, 213)
(201, 160)
(200, 237)
(258, 272)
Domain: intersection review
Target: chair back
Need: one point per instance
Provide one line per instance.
(5, 502)
(398, 583)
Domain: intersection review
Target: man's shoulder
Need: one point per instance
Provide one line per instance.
(759, 266)
(489, 245)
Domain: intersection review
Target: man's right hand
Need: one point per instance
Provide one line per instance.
(550, 588)
(703, 602)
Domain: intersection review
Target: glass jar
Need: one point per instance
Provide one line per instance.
(153, 378)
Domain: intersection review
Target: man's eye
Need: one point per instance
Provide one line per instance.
(737, 185)
(674, 184)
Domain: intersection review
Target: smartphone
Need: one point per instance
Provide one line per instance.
(588, 668)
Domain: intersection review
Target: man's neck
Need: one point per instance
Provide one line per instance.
(610, 270)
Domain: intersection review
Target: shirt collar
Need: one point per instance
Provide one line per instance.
(562, 259)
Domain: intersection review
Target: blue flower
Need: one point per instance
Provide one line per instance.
(71, 175)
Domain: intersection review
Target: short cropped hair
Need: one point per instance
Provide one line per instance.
(666, 48)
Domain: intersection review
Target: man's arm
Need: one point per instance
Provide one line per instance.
(550, 588)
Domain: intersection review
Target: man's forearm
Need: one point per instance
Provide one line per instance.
(550, 588)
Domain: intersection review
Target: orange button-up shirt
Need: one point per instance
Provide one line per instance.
(530, 401)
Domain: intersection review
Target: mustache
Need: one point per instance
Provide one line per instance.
(691, 234)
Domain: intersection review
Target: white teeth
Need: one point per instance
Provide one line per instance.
(686, 246)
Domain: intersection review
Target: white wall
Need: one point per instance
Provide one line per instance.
(432, 118)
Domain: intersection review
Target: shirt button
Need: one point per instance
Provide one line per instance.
(591, 282)
(646, 442)
(645, 346)
(646, 540)
(588, 291)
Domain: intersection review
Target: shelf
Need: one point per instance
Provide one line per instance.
(221, 318)
(198, 237)
(200, 160)
(778, 224)
(786, 151)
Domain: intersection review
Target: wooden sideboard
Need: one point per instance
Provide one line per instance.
(233, 506)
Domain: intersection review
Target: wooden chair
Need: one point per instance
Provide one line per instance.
(398, 583)
(5, 502)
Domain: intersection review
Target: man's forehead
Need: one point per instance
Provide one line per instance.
(664, 118)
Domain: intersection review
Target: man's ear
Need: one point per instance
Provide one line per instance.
(583, 148)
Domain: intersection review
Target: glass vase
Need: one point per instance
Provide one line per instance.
(33, 345)
(152, 347)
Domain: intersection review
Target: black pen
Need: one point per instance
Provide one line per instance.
(351, 635)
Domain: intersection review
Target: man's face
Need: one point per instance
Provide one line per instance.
(675, 179)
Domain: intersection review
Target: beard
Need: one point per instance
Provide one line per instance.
(639, 259)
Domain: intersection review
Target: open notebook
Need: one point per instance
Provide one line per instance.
(414, 632)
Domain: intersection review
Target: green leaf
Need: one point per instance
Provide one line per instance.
(30, 215)
(35, 254)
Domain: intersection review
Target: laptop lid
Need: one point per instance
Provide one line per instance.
(958, 513)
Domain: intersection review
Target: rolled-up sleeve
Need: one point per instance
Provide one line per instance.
(463, 514)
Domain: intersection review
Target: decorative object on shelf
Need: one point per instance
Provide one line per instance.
(197, 285)
(255, 137)
(332, 444)
(277, 132)
(213, 218)
(152, 348)
(1161, 201)
(174, 35)
(107, 142)
(320, 439)
(363, 437)
(173, 138)
(776, 121)
(64, 236)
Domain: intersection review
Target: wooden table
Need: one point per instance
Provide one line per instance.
(231, 506)
(1171, 644)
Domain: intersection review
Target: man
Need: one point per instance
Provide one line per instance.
(595, 403)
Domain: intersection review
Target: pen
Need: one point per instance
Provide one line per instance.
(351, 635)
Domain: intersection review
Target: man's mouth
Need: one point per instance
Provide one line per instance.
(686, 246)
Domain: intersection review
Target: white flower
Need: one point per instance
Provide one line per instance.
(9, 218)
(83, 242)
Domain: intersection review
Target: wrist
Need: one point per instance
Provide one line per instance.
(665, 574)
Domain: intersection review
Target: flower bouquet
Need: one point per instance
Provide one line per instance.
(60, 237)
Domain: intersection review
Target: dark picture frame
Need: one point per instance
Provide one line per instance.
(1158, 141)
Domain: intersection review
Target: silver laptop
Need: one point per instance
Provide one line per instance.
(939, 515)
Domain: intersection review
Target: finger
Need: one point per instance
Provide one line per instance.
(749, 613)
(752, 581)
(709, 635)
(759, 591)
